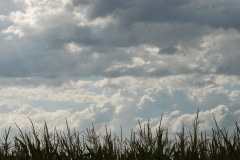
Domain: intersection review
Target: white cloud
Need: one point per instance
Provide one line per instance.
(73, 47)
(107, 101)
(13, 30)
(114, 62)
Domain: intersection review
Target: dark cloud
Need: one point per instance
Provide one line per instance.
(231, 67)
(170, 50)
(80, 2)
(102, 8)
(215, 14)
(166, 24)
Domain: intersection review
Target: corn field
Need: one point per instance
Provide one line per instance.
(142, 145)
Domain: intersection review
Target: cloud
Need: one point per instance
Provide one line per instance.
(8, 6)
(114, 62)
(40, 40)
(117, 101)
(187, 11)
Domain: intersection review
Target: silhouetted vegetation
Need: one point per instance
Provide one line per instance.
(142, 145)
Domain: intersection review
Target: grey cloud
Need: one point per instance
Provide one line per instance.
(170, 50)
(7, 6)
(41, 53)
(157, 34)
(118, 61)
(80, 2)
(139, 24)
(102, 8)
(231, 67)
(214, 13)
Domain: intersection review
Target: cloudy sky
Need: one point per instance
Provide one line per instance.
(115, 62)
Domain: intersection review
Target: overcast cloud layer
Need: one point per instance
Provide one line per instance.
(116, 61)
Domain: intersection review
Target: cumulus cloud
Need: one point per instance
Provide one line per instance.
(109, 61)
(48, 32)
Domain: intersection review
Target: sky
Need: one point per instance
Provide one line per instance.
(117, 62)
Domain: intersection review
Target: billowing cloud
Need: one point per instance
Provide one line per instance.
(113, 62)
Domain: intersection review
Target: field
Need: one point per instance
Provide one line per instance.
(142, 145)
